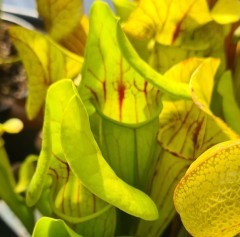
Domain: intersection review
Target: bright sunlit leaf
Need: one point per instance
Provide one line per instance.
(65, 22)
(205, 41)
(202, 82)
(207, 198)
(185, 132)
(127, 104)
(201, 85)
(145, 127)
(60, 16)
(71, 156)
(96, 174)
(45, 62)
(47, 226)
(124, 8)
(170, 169)
(54, 178)
(136, 146)
(166, 20)
(226, 11)
(116, 89)
(173, 88)
(76, 40)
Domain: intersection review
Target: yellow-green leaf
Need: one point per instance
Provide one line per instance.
(186, 131)
(62, 191)
(116, 89)
(236, 74)
(166, 20)
(25, 173)
(72, 158)
(136, 146)
(124, 8)
(207, 198)
(181, 118)
(47, 226)
(171, 87)
(201, 85)
(94, 172)
(226, 11)
(7, 193)
(170, 169)
(205, 41)
(230, 107)
(128, 105)
(60, 16)
(76, 40)
(202, 82)
(45, 62)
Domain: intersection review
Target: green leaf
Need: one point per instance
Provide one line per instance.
(113, 86)
(7, 193)
(54, 188)
(236, 74)
(60, 16)
(163, 57)
(26, 172)
(202, 82)
(183, 232)
(201, 85)
(76, 40)
(185, 132)
(226, 11)
(205, 41)
(124, 8)
(169, 170)
(131, 151)
(203, 38)
(44, 205)
(47, 226)
(103, 225)
(176, 18)
(95, 173)
(230, 108)
(127, 105)
(45, 62)
(66, 145)
(192, 120)
(65, 22)
(213, 209)
(175, 89)
(6, 166)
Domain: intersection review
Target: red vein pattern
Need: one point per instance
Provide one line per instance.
(68, 194)
(117, 90)
(186, 131)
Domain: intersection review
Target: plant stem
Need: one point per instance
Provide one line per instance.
(7, 193)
